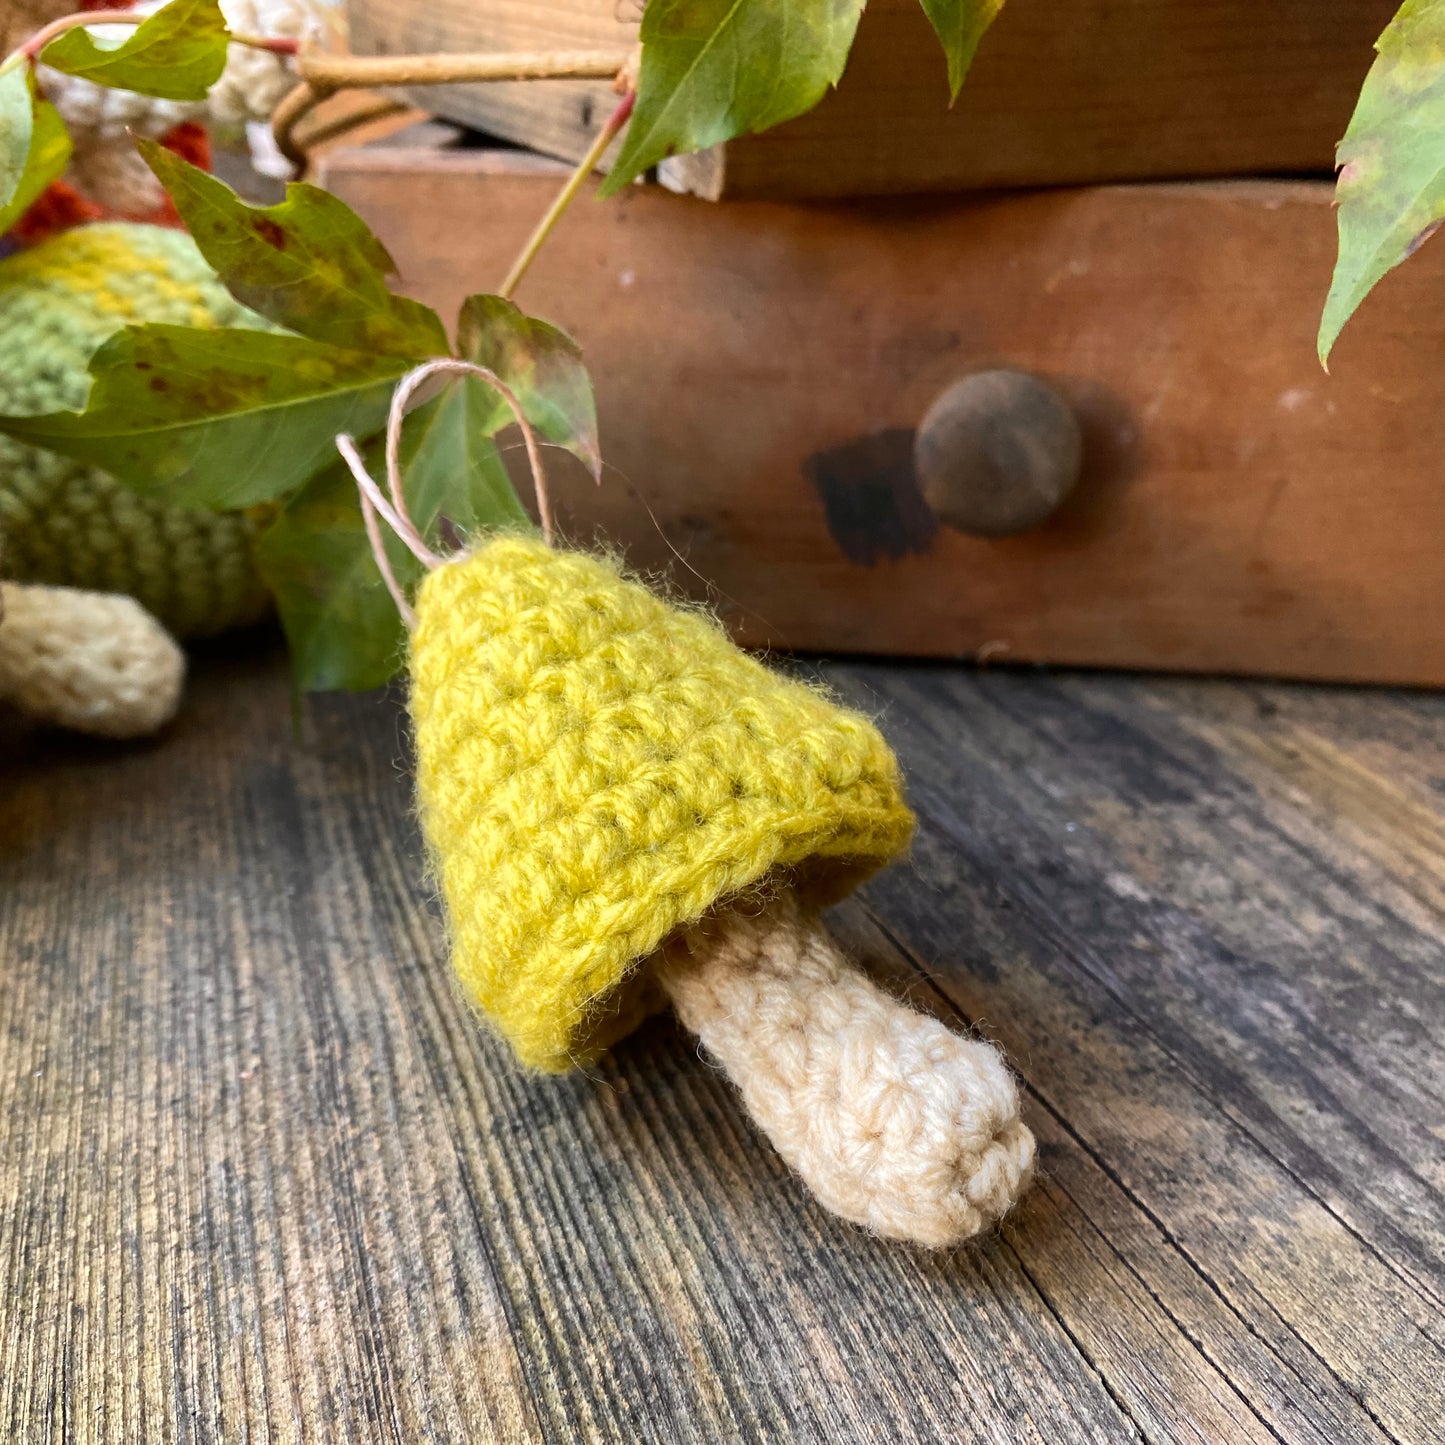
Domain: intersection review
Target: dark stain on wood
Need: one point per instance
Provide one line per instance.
(871, 499)
(262, 1177)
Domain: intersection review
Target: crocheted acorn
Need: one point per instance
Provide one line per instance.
(64, 522)
(623, 808)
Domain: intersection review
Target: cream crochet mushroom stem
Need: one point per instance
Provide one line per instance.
(96, 662)
(894, 1121)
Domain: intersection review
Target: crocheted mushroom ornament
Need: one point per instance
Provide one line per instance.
(623, 806)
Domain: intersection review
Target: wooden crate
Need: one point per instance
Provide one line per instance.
(760, 368)
(1061, 93)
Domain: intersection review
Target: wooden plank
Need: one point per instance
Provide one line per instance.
(760, 369)
(559, 118)
(1251, 992)
(1117, 89)
(1106, 1260)
(265, 1179)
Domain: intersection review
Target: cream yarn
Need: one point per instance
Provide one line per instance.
(892, 1120)
(96, 662)
(255, 81)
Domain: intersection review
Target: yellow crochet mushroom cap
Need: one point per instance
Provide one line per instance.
(597, 768)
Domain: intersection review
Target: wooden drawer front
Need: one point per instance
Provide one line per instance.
(760, 368)
(1060, 93)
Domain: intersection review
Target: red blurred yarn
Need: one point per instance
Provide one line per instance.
(57, 208)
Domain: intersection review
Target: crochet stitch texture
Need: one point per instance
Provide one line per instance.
(64, 522)
(598, 768)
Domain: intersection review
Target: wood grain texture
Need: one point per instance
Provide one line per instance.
(1108, 90)
(760, 370)
(263, 1179)
(557, 117)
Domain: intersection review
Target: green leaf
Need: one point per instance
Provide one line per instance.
(960, 25)
(542, 365)
(714, 69)
(341, 624)
(1391, 192)
(34, 146)
(177, 54)
(340, 620)
(455, 471)
(16, 125)
(216, 418)
(308, 263)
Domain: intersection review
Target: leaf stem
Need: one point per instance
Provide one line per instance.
(331, 130)
(568, 193)
(275, 44)
(295, 106)
(348, 72)
(47, 33)
(324, 75)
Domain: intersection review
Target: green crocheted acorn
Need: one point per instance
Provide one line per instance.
(64, 522)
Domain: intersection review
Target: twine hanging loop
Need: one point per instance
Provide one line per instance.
(376, 506)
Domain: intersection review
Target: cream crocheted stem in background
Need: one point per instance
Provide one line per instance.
(892, 1120)
(92, 661)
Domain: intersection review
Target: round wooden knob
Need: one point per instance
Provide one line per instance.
(997, 453)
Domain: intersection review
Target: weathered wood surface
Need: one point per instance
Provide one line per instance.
(557, 117)
(262, 1179)
(1105, 90)
(761, 368)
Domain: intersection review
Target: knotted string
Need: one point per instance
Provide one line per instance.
(376, 506)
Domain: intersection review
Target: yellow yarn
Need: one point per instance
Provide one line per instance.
(66, 523)
(598, 768)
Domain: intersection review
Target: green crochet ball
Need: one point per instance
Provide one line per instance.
(64, 522)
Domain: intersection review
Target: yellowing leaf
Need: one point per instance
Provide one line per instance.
(16, 123)
(714, 69)
(176, 54)
(543, 367)
(1391, 191)
(34, 146)
(340, 620)
(309, 263)
(960, 25)
(216, 418)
